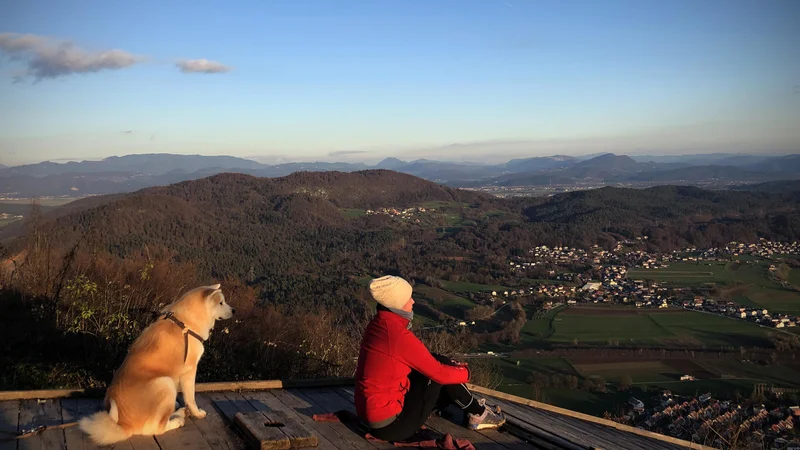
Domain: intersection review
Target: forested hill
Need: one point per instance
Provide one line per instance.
(365, 189)
(304, 238)
(661, 204)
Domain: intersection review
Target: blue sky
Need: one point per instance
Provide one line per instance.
(301, 80)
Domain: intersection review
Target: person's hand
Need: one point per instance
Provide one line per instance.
(458, 363)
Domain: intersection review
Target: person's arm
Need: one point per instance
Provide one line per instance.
(412, 352)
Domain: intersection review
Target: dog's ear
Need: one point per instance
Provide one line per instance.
(213, 292)
(215, 286)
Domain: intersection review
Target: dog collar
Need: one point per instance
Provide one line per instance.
(186, 332)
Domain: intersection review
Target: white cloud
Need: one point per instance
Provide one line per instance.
(202, 66)
(50, 58)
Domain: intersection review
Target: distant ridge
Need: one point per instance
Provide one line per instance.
(133, 172)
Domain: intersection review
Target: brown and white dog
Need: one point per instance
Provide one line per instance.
(141, 398)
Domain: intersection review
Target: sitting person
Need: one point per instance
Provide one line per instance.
(398, 382)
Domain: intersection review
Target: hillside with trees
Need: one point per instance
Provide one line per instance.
(86, 277)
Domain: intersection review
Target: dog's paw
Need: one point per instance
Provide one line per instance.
(200, 413)
(174, 422)
(179, 413)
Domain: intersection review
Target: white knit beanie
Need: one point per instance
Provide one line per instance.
(391, 292)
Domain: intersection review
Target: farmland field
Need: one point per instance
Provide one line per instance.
(444, 301)
(646, 376)
(774, 374)
(654, 327)
(639, 371)
(590, 329)
(694, 274)
(758, 288)
(539, 327)
(458, 287)
(794, 277)
(4, 222)
(516, 382)
(45, 202)
(352, 213)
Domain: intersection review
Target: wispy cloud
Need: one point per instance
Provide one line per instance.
(202, 66)
(48, 58)
(348, 152)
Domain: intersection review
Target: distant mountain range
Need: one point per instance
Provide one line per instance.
(133, 172)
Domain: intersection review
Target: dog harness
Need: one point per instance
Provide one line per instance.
(186, 332)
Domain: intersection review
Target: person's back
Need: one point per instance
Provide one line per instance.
(380, 382)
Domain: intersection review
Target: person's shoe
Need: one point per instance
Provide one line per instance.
(491, 418)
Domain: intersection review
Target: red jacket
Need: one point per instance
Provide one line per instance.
(388, 353)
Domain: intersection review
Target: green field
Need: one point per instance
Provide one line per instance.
(539, 328)
(685, 273)
(47, 202)
(656, 328)
(759, 287)
(352, 213)
(647, 376)
(794, 277)
(4, 222)
(444, 205)
(712, 330)
(591, 329)
(444, 301)
(644, 372)
(462, 287)
(774, 374)
(542, 281)
(516, 382)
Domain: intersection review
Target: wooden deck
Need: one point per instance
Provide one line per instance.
(528, 427)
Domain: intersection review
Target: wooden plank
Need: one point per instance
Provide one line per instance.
(35, 413)
(40, 394)
(186, 437)
(553, 431)
(346, 438)
(224, 405)
(267, 401)
(232, 403)
(199, 387)
(540, 436)
(623, 440)
(73, 409)
(258, 435)
(299, 436)
(330, 402)
(218, 433)
(586, 435)
(586, 418)
(444, 426)
(537, 441)
(143, 443)
(9, 422)
(456, 415)
(331, 399)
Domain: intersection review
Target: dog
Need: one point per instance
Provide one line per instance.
(141, 397)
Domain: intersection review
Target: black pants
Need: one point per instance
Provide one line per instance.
(422, 398)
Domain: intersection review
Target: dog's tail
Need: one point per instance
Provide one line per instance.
(102, 427)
